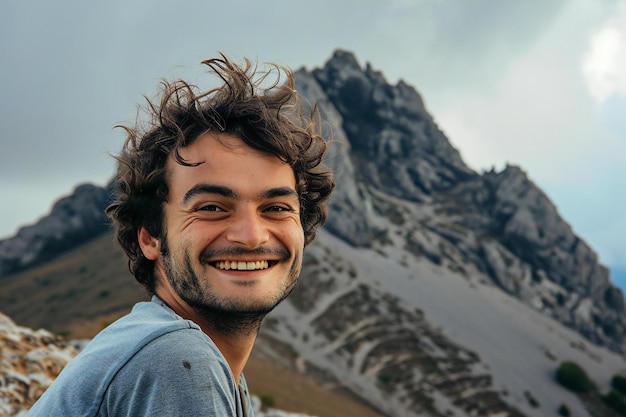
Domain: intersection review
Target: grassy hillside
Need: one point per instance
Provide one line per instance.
(80, 292)
(74, 295)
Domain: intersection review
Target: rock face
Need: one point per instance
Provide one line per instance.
(30, 361)
(72, 220)
(394, 141)
(532, 253)
(385, 132)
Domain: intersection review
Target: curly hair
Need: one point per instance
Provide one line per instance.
(270, 119)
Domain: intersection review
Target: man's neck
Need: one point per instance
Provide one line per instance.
(233, 334)
(236, 349)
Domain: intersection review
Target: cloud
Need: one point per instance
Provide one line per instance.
(604, 63)
(536, 109)
(455, 44)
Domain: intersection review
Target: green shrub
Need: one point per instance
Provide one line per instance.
(616, 401)
(564, 411)
(267, 400)
(384, 378)
(619, 383)
(573, 377)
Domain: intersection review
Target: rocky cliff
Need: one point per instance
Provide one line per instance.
(72, 220)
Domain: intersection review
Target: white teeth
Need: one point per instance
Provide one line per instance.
(241, 266)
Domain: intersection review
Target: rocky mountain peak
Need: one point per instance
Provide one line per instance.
(395, 142)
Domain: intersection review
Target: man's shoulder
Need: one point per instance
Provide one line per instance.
(183, 360)
(159, 340)
(146, 319)
(149, 323)
(148, 327)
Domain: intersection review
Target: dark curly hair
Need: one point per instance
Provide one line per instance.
(269, 118)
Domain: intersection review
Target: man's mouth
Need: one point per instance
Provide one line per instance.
(243, 265)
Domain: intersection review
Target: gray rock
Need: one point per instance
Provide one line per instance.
(395, 142)
(73, 220)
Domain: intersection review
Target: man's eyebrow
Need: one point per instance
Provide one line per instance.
(279, 192)
(208, 189)
(229, 193)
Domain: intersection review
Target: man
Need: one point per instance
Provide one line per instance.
(217, 195)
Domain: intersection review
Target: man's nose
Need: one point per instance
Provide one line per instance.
(248, 229)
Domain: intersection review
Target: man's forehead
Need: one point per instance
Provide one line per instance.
(225, 161)
(223, 142)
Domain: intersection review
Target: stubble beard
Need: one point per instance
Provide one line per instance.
(227, 316)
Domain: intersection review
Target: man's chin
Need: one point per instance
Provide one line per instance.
(235, 319)
(234, 308)
(244, 309)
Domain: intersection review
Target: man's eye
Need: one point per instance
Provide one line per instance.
(277, 208)
(210, 207)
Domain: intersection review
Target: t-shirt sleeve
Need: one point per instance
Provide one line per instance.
(180, 373)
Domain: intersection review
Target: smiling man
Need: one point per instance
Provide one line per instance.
(218, 193)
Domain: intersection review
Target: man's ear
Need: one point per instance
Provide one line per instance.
(150, 246)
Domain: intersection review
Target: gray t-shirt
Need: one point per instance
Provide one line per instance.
(151, 362)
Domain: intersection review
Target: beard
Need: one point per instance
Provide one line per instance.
(229, 316)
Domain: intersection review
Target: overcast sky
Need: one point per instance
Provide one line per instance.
(535, 83)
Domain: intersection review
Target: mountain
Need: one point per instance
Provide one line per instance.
(499, 223)
(73, 220)
(432, 290)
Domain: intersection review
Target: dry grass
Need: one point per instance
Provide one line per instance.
(89, 284)
(295, 392)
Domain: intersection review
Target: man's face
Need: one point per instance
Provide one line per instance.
(233, 239)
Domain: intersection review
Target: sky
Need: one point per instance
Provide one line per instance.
(538, 84)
